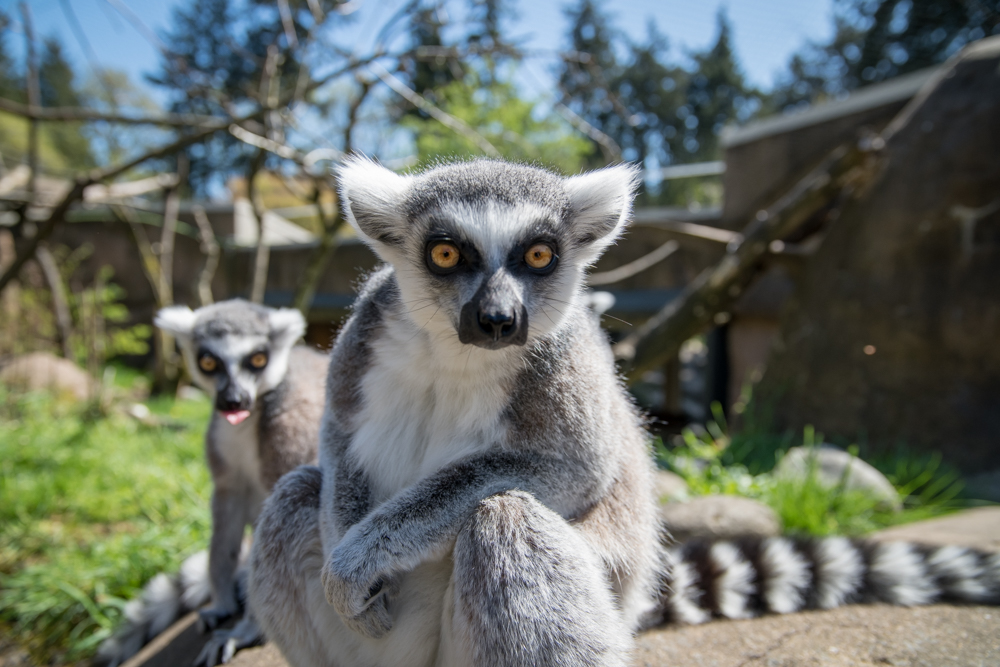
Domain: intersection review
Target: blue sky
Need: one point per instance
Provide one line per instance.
(766, 32)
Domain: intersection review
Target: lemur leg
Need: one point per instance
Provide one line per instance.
(288, 600)
(229, 520)
(528, 590)
(284, 570)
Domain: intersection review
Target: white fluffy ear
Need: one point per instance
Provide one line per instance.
(175, 320)
(600, 205)
(287, 326)
(372, 198)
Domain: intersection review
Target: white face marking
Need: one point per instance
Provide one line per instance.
(232, 352)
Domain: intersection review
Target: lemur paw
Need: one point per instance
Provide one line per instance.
(213, 617)
(224, 644)
(361, 602)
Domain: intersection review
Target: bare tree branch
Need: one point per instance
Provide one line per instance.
(842, 173)
(635, 267)
(55, 114)
(210, 248)
(60, 305)
(262, 256)
(421, 102)
(58, 212)
(34, 99)
(288, 24)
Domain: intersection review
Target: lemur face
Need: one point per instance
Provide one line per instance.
(487, 252)
(236, 351)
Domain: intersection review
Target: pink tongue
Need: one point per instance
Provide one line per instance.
(235, 417)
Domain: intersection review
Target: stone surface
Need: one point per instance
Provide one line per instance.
(670, 487)
(977, 528)
(41, 370)
(720, 517)
(891, 334)
(857, 635)
(830, 467)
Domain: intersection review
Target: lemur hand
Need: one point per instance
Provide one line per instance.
(357, 587)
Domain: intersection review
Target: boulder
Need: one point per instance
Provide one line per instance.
(670, 487)
(44, 371)
(723, 517)
(831, 466)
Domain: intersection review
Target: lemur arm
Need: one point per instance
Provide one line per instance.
(426, 517)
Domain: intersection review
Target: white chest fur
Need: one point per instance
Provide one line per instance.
(426, 406)
(239, 450)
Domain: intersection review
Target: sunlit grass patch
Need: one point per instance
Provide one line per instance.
(713, 462)
(91, 507)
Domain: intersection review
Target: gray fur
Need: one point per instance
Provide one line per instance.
(285, 402)
(459, 481)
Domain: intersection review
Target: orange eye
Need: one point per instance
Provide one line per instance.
(207, 363)
(445, 256)
(258, 360)
(539, 256)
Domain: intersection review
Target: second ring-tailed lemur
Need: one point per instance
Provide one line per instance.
(484, 491)
(268, 399)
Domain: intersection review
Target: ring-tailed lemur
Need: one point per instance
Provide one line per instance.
(484, 493)
(268, 398)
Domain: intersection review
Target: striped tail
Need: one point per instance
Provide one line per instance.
(164, 599)
(747, 577)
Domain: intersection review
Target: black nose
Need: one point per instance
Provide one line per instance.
(492, 327)
(498, 325)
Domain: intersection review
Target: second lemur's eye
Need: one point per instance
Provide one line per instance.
(207, 363)
(258, 360)
(444, 256)
(539, 256)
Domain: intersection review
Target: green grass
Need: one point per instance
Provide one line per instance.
(91, 507)
(713, 462)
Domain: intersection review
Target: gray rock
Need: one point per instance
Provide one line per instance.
(723, 517)
(831, 464)
(44, 371)
(670, 487)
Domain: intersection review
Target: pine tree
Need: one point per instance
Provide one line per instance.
(11, 82)
(586, 75)
(716, 95)
(57, 86)
(875, 40)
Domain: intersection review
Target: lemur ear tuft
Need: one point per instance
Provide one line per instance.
(175, 320)
(372, 198)
(287, 326)
(600, 205)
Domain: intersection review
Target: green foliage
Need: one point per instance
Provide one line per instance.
(100, 321)
(713, 462)
(91, 509)
(505, 120)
